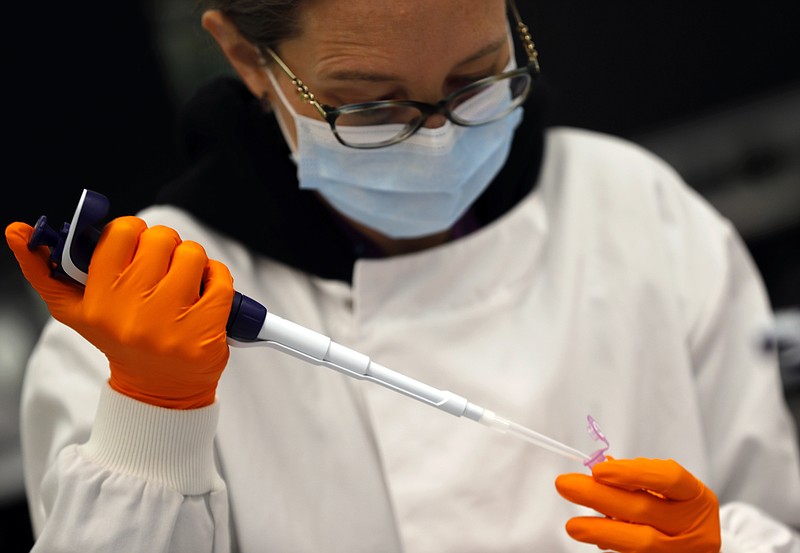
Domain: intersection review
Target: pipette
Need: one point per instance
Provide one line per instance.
(251, 324)
(318, 349)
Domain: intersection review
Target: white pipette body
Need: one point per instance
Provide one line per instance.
(318, 349)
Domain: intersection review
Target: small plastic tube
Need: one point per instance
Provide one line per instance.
(490, 419)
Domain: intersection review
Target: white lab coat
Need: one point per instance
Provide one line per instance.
(612, 290)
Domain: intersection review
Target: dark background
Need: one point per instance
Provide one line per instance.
(92, 92)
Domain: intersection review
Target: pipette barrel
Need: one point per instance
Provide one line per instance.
(320, 349)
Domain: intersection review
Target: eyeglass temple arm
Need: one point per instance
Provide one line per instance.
(525, 37)
(306, 95)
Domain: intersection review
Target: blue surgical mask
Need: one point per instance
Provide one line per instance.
(415, 188)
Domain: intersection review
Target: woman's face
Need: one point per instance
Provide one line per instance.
(352, 51)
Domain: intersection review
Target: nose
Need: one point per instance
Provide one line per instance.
(435, 121)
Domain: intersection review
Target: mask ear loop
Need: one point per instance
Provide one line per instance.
(512, 54)
(598, 436)
(265, 101)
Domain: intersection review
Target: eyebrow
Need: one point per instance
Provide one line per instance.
(485, 51)
(365, 76)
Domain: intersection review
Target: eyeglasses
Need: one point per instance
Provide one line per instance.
(392, 121)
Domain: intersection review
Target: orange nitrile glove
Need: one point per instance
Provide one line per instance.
(651, 505)
(142, 307)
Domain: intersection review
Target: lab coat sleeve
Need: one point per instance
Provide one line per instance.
(746, 529)
(751, 441)
(105, 472)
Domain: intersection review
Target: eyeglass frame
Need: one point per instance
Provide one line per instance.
(330, 113)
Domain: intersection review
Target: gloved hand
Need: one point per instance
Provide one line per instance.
(142, 307)
(651, 505)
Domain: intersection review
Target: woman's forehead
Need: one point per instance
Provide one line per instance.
(397, 29)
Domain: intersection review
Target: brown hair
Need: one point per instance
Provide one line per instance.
(264, 23)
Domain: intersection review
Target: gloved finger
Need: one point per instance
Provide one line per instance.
(629, 505)
(619, 536)
(36, 267)
(187, 269)
(217, 288)
(114, 251)
(665, 477)
(152, 258)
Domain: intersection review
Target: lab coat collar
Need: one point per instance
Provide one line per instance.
(479, 269)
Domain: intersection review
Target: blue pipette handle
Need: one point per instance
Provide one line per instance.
(72, 246)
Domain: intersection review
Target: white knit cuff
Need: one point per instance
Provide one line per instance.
(174, 447)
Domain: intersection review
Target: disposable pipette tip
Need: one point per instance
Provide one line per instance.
(490, 419)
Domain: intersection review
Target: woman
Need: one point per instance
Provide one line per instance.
(442, 231)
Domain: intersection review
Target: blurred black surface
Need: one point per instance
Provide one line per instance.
(87, 101)
(626, 66)
(15, 530)
(85, 107)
